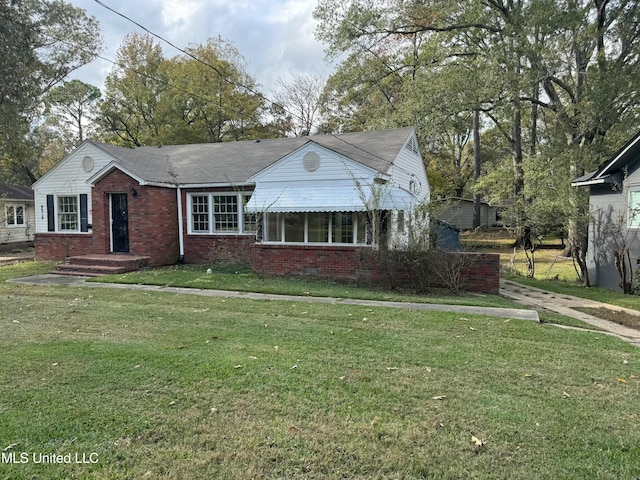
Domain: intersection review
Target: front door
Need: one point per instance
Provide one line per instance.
(119, 223)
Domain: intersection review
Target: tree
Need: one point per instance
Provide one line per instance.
(204, 95)
(133, 111)
(218, 99)
(565, 76)
(298, 104)
(43, 41)
(72, 108)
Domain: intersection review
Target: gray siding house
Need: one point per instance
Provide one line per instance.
(614, 204)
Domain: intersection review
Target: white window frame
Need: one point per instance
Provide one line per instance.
(281, 225)
(58, 213)
(633, 209)
(15, 207)
(241, 200)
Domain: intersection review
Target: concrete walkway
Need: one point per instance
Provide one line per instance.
(531, 297)
(565, 304)
(54, 279)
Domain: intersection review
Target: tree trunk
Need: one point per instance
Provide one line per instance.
(477, 160)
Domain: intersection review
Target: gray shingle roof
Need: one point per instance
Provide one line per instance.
(12, 192)
(236, 162)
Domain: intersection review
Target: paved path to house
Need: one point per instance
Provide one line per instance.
(565, 304)
(55, 279)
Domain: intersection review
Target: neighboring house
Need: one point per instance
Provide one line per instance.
(614, 204)
(301, 205)
(17, 214)
(458, 212)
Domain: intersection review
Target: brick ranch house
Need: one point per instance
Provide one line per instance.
(298, 206)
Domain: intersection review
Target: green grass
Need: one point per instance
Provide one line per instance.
(239, 278)
(171, 386)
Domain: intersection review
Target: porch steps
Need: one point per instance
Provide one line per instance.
(99, 265)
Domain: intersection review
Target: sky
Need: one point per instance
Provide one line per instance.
(276, 37)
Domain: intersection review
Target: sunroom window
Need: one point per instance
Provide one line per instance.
(317, 227)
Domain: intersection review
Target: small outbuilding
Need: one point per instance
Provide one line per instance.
(459, 212)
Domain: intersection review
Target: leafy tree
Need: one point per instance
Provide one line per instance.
(561, 78)
(72, 108)
(133, 111)
(43, 41)
(205, 95)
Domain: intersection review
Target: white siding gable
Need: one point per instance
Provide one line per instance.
(69, 177)
(408, 171)
(313, 163)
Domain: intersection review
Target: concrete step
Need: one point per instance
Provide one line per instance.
(132, 262)
(98, 265)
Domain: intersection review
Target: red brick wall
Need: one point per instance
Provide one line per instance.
(153, 218)
(153, 221)
(57, 246)
(340, 263)
(217, 248)
(478, 272)
(201, 248)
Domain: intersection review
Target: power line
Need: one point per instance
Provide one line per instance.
(169, 85)
(224, 78)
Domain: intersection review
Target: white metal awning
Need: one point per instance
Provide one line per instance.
(334, 198)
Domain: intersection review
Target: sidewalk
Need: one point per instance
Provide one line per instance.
(526, 296)
(78, 281)
(564, 305)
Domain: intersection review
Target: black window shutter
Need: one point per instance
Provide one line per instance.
(51, 219)
(84, 213)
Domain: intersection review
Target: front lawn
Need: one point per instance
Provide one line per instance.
(159, 385)
(242, 279)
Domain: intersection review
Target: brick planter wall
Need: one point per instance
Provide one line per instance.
(339, 263)
(57, 246)
(421, 271)
(478, 272)
(218, 248)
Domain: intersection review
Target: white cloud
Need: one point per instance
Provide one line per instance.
(276, 37)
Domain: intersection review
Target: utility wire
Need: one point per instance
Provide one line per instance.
(237, 84)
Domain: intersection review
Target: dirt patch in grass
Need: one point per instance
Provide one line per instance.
(617, 316)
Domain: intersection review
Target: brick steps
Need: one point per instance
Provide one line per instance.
(99, 265)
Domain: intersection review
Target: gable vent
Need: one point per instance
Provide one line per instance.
(412, 146)
(311, 161)
(87, 163)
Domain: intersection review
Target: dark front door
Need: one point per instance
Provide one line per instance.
(119, 223)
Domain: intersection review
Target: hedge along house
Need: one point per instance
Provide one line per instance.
(301, 205)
